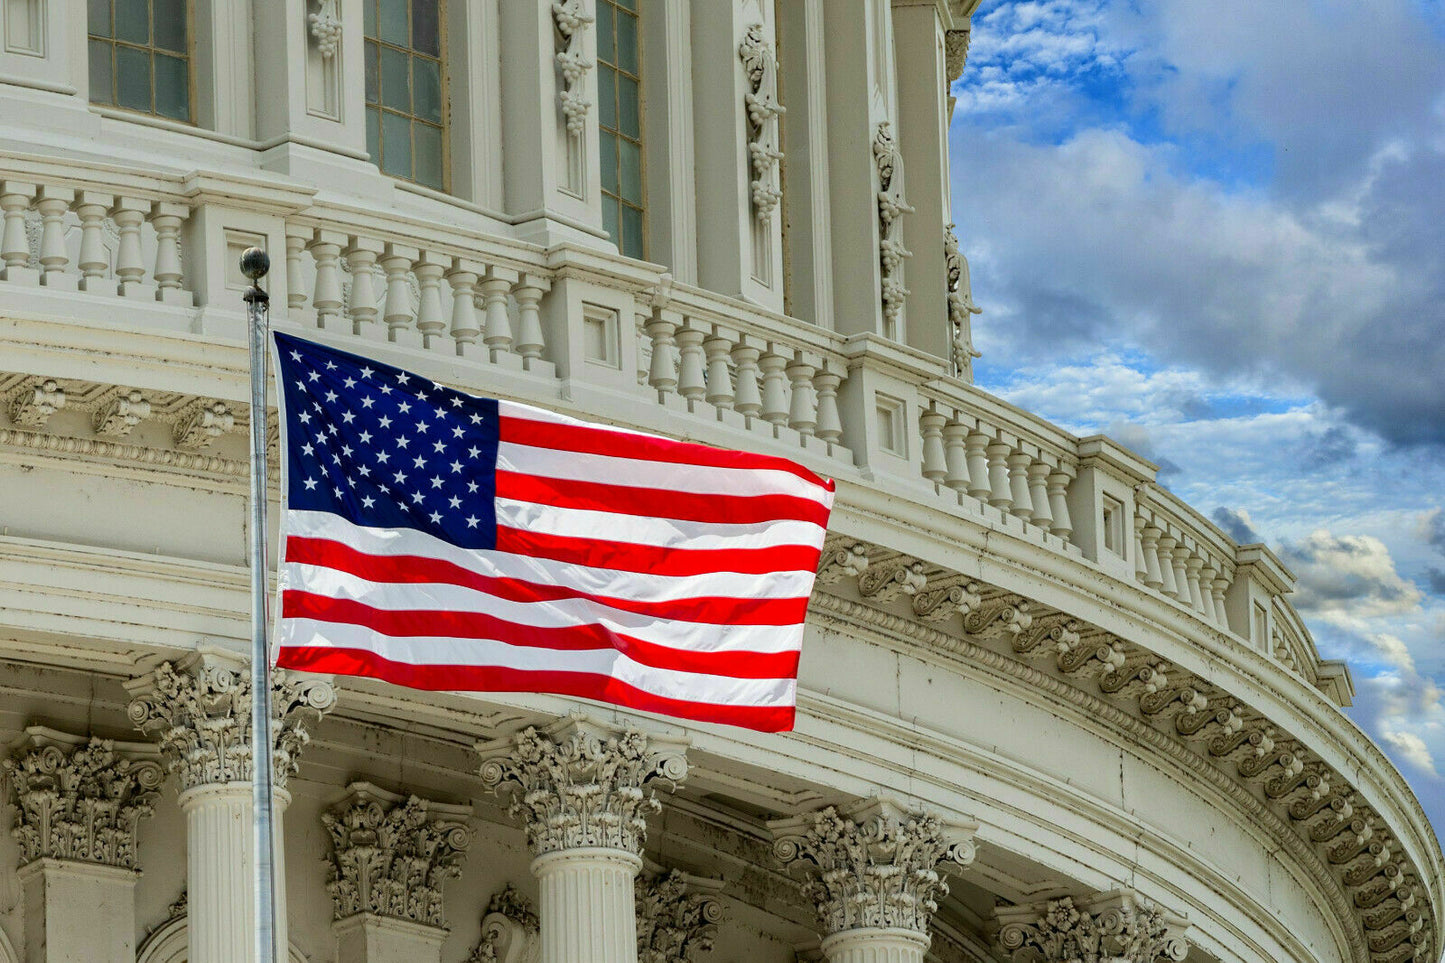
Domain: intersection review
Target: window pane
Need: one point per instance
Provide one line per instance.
(173, 95)
(394, 87)
(426, 79)
(428, 142)
(627, 43)
(606, 96)
(133, 78)
(396, 145)
(606, 50)
(609, 217)
(100, 89)
(98, 19)
(393, 22)
(629, 107)
(170, 25)
(373, 135)
(426, 34)
(608, 148)
(627, 4)
(133, 23)
(368, 24)
(631, 244)
(373, 84)
(631, 165)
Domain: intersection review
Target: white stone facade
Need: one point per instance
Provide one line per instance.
(1047, 711)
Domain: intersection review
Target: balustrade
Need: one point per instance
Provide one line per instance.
(1183, 562)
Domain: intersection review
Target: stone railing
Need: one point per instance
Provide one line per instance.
(1181, 556)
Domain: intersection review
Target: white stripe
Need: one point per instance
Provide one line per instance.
(641, 586)
(669, 476)
(648, 530)
(669, 683)
(564, 613)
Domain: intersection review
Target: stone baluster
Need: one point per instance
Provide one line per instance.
(167, 218)
(494, 290)
(199, 712)
(580, 788)
(465, 327)
(78, 806)
(129, 214)
(1020, 501)
(674, 921)
(1220, 586)
(1141, 570)
(396, 312)
(431, 316)
(528, 291)
(955, 455)
(1120, 926)
(94, 261)
(361, 255)
(326, 296)
(662, 373)
(1166, 563)
(775, 382)
(1207, 574)
(15, 200)
(1062, 525)
(691, 367)
(1038, 480)
(748, 397)
(717, 349)
(935, 460)
(53, 205)
(802, 404)
(1181, 571)
(1194, 570)
(975, 447)
(296, 297)
(825, 388)
(1000, 495)
(873, 872)
(390, 857)
(1149, 538)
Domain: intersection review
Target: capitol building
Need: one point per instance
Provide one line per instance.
(1047, 712)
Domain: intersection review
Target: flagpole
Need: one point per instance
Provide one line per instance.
(254, 265)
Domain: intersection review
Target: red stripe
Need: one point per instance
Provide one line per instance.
(458, 678)
(659, 502)
(419, 623)
(600, 441)
(656, 560)
(421, 569)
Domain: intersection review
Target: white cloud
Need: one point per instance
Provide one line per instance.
(1411, 747)
(1348, 578)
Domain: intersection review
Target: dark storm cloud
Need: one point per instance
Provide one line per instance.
(1235, 525)
(1350, 574)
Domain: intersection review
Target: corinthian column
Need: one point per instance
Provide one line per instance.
(78, 805)
(1115, 927)
(198, 710)
(579, 785)
(873, 872)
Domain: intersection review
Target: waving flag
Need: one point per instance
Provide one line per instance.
(441, 540)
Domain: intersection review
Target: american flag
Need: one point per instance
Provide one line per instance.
(440, 540)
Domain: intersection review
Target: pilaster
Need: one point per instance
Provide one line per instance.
(1119, 926)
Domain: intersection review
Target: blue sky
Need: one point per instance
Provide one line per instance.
(1216, 232)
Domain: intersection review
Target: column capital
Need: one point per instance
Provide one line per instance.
(875, 864)
(579, 783)
(1119, 926)
(511, 931)
(391, 854)
(676, 917)
(198, 709)
(80, 799)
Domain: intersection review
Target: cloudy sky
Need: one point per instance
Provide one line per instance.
(1216, 232)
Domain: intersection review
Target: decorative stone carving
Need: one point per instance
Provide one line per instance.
(1116, 927)
(510, 931)
(945, 601)
(391, 855)
(207, 422)
(580, 783)
(839, 561)
(571, 18)
(891, 208)
(199, 710)
(884, 583)
(122, 413)
(761, 69)
(35, 403)
(673, 924)
(955, 56)
(80, 799)
(960, 306)
(875, 865)
(326, 28)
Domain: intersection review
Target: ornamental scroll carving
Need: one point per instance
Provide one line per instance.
(891, 208)
(571, 18)
(580, 784)
(1117, 927)
(198, 710)
(874, 864)
(955, 56)
(674, 924)
(511, 931)
(391, 856)
(761, 69)
(79, 799)
(960, 306)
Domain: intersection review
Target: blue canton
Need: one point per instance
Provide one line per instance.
(386, 448)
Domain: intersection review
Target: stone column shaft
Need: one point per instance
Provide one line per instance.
(587, 908)
(875, 945)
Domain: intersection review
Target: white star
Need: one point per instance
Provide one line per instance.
(476, 418)
(366, 372)
(308, 449)
(385, 490)
(455, 502)
(457, 431)
(332, 429)
(338, 492)
(440, 413)
(348, 417)
(400, 477)
(367, 402)
(367, 501)
(456, 468)
(336, 458)
(436, 483)
(386, 389)
(402, 378)
(421, 393)
(456, 401)
(421, 427)
(351, 480)
(472, 521)
(419, 461)
(346, 450)
(330, 396)
(366, 437)
(350, 382)
(331, 366)
(439, 446)
(363, 471)
(314, 375)
(304, 417)
(385, 421)
(402, 442)
(382, 456)
(301, 385)
(436, 518)
(310, 484)
(295, 355)
(474, 451)
(404, 407)
(321, 438)
(416, 497)
(471, 488)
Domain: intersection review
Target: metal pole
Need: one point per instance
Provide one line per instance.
(254, 265)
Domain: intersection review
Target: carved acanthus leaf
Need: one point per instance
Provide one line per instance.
(1118, 927)
(122, 413)
(673, 924)
(36, 402)
(884, 583)
(205, 423)
(761, 100)
(842, 560)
